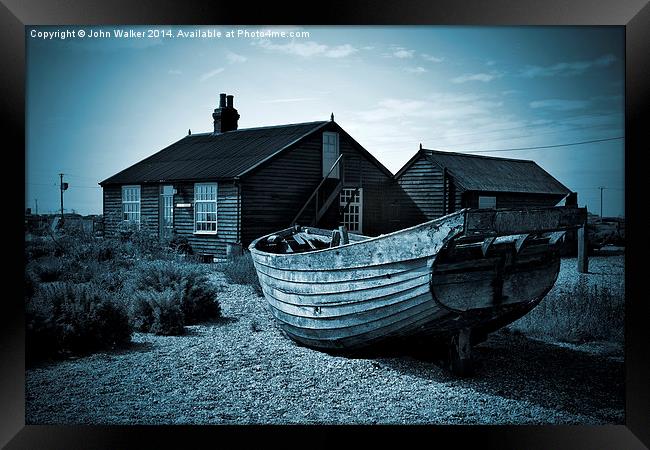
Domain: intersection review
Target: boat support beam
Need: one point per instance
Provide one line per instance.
(461, 353)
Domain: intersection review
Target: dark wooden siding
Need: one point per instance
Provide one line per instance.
(149, 201)
(112, 209)
(363, 173)
(422, 194)
(183, 217)
(423, 183)
(209, 244)
(512, 200)
(273, 194)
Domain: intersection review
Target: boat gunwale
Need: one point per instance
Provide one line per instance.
(441, 220)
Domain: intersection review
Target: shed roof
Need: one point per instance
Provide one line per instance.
(492, 174)
(215, 156)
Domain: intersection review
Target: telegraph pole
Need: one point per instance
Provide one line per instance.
(601, 201)
(61, 188)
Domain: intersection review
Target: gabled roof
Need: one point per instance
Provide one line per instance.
(221, 156)
(492, 174)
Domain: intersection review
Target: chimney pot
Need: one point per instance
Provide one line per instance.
(225, 116)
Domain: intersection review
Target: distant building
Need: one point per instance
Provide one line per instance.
(439, 183)
(230, 186)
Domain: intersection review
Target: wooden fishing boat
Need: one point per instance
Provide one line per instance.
(457, 277)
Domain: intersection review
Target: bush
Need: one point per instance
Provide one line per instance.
(240, 270)
(48, 269)
(31, 284)
(39, 247)
(73, 318)
(579, 314)
(162, 290)
(181, 245)
(158, 312)
(199, 299)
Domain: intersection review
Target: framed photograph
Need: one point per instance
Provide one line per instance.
(386, 220)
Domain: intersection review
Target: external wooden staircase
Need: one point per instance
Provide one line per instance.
(327, 189)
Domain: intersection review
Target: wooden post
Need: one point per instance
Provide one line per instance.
(344, 235)
(583, 259)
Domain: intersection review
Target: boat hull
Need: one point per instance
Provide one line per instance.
(403, 285)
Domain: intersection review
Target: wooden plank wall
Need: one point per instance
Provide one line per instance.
(183, 217)
(513, 200)
(209, 244)
(423, 184)
(273, 195)
(112, 209)
(149, 204)
(361, 172)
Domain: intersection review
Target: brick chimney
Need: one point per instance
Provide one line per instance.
(225, 116)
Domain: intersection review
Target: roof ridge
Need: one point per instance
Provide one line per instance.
(442, 152)
(208, 133)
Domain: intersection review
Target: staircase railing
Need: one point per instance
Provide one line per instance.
(313, 194)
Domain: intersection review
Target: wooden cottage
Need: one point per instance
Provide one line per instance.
(434, 183)
(225, 188)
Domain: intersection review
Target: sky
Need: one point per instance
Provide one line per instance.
(96, 105)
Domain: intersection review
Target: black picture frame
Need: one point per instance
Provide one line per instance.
(634, 15)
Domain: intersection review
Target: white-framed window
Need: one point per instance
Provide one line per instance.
(205, 208)
(131, 204)
(487, 202)
(353, 215)
(330, 153)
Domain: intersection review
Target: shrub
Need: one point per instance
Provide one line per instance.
(158, 312)
(141, 312)
(31, 284)
(73, 318)
(240, 270)
(162, 288)
(39, 247)
(580, 313)
(199, 299)
(111, 278)
(181, 245)
(48, 269)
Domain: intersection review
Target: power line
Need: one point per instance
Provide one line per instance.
(543, 146)
(526, 136)
(547, 124)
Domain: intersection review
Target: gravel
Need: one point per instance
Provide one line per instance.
(243, 370)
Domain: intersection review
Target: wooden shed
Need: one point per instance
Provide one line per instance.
(227, 187)
(434, 183)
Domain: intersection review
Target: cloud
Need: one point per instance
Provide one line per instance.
(235, 58)
(559, 104)
(308, 49)
(441, 106)
(174, 72)
(484, 77)
(417, 70)
(567, 68)
(340, 51)
(401, 52)
(290, 100)
(212, 73)
(432, 58)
